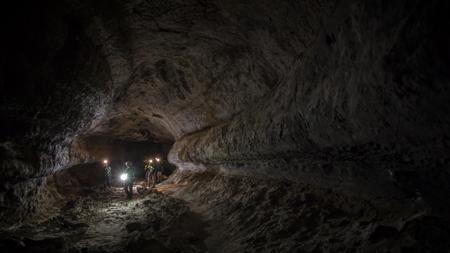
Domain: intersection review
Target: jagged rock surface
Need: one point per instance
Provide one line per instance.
(363, 90)
(261, 215)
(104, 221)
(350, 95)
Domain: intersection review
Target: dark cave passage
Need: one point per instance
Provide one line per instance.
(281, 126)
(117, 152)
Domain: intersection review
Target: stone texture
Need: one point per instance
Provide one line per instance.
(364, 89)
(348, 95)
(104, 221)
(260, 215)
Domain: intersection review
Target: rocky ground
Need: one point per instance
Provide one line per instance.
(248, 214)
(105, 221)
(214, 212)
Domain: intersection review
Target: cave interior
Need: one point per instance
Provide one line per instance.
(283, 126)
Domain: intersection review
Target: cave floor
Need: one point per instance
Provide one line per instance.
(103, 220)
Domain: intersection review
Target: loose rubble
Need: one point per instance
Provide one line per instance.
(105, 221)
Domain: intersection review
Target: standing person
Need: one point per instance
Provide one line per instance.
(129, 180)
(107, 173)
(149, 172)
(158, 170)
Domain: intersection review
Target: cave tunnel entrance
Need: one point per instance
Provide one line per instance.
(118, 151)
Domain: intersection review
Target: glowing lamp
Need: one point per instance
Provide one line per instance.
(105, 161)
(123, 176)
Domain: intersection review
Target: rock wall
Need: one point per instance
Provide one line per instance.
(54, 84)
(263, 215)
(348, 94)
(364, 105)
(135, 71)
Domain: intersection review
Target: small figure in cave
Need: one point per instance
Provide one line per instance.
(108, 173)
(158, 170)
(129, 179)
(149, 173)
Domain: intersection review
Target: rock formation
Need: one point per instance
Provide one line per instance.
(343, 101)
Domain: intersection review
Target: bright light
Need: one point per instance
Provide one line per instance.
(105, 161)
(151, 160)
(157, 159)
(124, 176)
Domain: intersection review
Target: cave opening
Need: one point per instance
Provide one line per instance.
(116, 152)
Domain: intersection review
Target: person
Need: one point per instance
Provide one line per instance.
(107, 173)
(129, 170)
(158, 170)
(149, 172)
